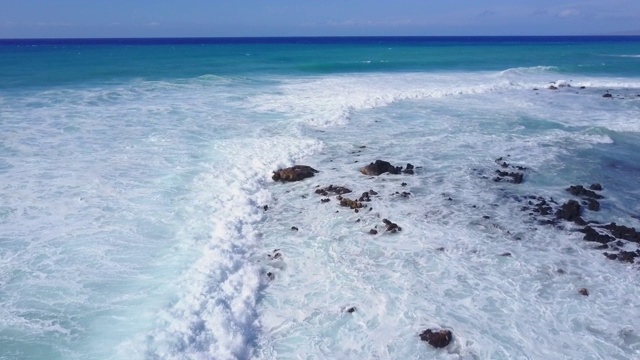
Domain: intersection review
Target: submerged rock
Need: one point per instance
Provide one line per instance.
(579, 190)
(596, 187)
(516, 177)
(437, 338)
(294, 173)
(584, 292)
(338, 190)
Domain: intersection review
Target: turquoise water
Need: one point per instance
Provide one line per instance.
(134, 175)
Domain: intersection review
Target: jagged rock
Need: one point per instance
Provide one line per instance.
(391, 226)
(371, 192)
(590, 234)
(607, 95)
(266, 207)
(294, 173)
(294, 228)
(437, 338)
(325, 200)
(351, 309)
(271, 276)
(623, 232)
(404, 184)
(579, 190)
(380, 167)
(373, 231)
(570, 211)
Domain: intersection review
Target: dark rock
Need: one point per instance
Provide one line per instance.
(351, 204)
(506, 254)
(596, 187)
(592, 204)
(623, 232)
(371, 192)
(583, 87)
(373, 231)
(627, 256)
(516, 177)
(270, 276)
(440, 249)
(325, 200)
(436, 338)
(607, 95)
(584, 292)
(611, 256)
(486, 217)
(551, 87)
(294, 173)
(294, 228)
(337, 190)
(380, 167)
(351, 310)
(403, 184)
(391, 226)
(408, 169)
(266, 207)
(365, 197)
(570, 211)
(560, 271)
(579, 190)
(590, 234)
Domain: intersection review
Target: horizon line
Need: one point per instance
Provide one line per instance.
(312, 37)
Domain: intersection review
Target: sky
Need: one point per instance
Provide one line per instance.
(218, 18)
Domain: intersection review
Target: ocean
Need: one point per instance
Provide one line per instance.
(139, 218)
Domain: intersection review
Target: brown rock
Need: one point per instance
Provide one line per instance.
(294, 173)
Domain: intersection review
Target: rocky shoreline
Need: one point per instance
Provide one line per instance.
(545, 211)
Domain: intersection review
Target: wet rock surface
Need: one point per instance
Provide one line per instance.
(437, 338)
(332, 190)
(380, 167)
(294, 173)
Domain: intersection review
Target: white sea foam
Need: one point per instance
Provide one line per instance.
(529, 70)
(330, 100)
(214, 314)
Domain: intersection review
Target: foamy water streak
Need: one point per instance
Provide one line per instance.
(214, 315)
